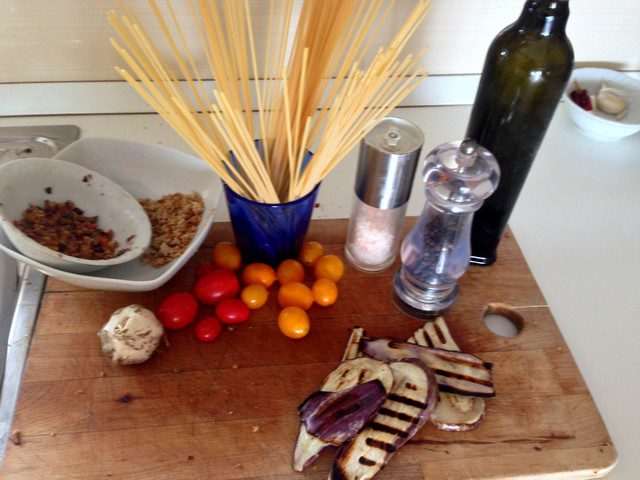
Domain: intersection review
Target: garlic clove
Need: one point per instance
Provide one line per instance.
(609, 100)
(593, 103)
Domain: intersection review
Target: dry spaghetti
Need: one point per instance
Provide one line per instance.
(315, 95)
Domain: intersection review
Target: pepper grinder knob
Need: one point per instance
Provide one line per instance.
(468, 146)
(458, 177)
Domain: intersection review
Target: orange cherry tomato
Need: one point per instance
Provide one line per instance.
(227, 256)
(259, 274)
(293, 322)
(310, 253)
(295, 294)
(329, 266)
(325, 292)
(254, 296)
(290, 271)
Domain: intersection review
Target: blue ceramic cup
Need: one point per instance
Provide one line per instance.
(269, 232)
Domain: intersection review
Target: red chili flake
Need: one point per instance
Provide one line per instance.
(581, 98)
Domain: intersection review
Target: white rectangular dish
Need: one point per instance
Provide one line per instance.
(145, 171)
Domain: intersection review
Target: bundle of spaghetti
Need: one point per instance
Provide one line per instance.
(314, 95)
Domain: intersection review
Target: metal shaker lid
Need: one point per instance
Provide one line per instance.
(387, 163)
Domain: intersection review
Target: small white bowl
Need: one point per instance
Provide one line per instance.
(596, 124)
(145, 171)
(31, 181)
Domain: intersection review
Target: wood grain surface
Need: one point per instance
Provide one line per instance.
(192, 410)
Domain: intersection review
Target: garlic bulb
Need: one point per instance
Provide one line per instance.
(131, 335)
(609, 100)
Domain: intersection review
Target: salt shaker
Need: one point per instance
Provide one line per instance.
(386, 168)
(458, 176)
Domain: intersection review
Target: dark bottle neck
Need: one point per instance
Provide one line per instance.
(544, 17)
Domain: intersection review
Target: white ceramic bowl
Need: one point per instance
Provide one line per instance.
(145, 171)
(596, 124)
(31, 181)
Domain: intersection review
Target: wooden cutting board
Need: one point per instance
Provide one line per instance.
(227, 410)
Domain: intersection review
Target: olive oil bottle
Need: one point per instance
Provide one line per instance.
(526, 70)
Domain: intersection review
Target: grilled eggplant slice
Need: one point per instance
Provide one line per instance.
(353, 345)
(307, 446)
(348, 374)
(354, 372)
(405, 410)
(435, 334)
(455, 372)
(454, 413)
(457, 413)
(335, 417)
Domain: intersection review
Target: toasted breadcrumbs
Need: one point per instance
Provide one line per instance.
(174, 221)
(64, 228)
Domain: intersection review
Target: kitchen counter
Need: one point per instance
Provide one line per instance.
(577, 222)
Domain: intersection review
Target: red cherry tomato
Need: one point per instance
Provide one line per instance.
(216, 286)
(232, 310)
(204, 269)
(208, 329)
(177, 310)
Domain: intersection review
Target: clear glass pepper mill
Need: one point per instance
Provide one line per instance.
(458, 177)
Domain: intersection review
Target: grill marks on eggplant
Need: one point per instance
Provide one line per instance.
(384, 428)
(475, 388)
(367, 462)
(387, 412)
(452, 412)
(457, 376)
(457, 390)
(422, 339)
(460, 360)
(406, 400)
(381, 445)
(404, 411)
(434, 335)
(456, 372)
(440, 334)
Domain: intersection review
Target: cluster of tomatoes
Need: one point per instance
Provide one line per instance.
(218, 286)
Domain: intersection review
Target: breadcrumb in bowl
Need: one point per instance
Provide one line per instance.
(144, 171)
(174, 222)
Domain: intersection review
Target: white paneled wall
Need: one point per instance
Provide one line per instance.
(67, 40)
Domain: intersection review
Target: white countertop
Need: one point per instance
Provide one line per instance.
(577, 222)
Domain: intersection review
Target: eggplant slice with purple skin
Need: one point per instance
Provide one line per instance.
(452, 413)
(335, 417)
(455, 372)
(347, 375)
(403, 413)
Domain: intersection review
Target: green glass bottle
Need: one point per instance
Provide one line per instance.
(526, 70)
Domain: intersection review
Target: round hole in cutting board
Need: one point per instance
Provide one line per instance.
(503, 320)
